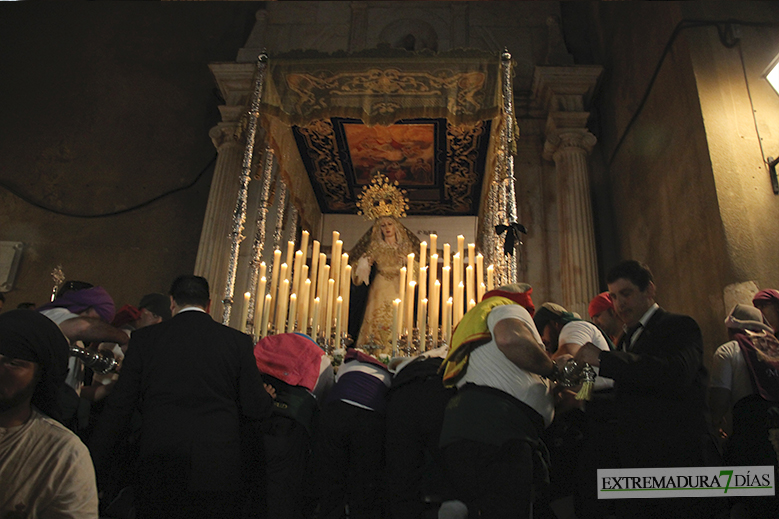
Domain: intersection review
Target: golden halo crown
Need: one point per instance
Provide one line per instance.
(382, 198)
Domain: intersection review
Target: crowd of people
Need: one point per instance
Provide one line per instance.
(197, 421)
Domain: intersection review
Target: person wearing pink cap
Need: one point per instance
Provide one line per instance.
(767, 301)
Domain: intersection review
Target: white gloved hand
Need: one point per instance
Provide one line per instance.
(362, 274)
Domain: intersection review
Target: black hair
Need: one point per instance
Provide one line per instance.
(190, 290)
(634, 271)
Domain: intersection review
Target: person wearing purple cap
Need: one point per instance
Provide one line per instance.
(767, 301)
(83, 316)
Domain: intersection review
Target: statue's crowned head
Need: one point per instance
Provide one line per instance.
(382, 198)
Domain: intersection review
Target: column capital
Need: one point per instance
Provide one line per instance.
(565, 89)
(571, 139)
(224, 134)
(234, 81)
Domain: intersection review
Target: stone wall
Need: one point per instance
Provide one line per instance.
(106, 106)
(691, 194)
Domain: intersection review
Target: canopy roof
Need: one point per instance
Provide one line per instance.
(426, 120)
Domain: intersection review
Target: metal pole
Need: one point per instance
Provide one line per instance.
(239, 215)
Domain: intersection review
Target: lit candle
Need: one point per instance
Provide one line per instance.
(339, 301)
(274, 280)
(263, 270)
(290, 257)
(457, 271)
(479, 269)
(324, 296)
(459, 267)
(296, 279)
(400, 318)
(445, 283)
(433, 270)
(281, 305)
(490, 278)
(283, 273)
(314, 270)
(447, 255)
(401, 295)
(410, 305)
(335, 268)
(472, 255)
(433, 244)
(422, 325)
(329, 309)
(343, 286)
(471, 304)
(410, 267)
(245, 311)
(347, 297)
(293, 309)
(303, 307)
(470, 288)
(304, 245)
(422, 255)
(480, 291)
(315, 317)
(446, 326)
(259, 298)
(458, 303)
(321, 282)
(395, 305)
(266, 315)
(435, 304)
(422, 289)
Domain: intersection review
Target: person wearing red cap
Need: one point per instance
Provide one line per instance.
(604, 316)
(492, 428)
(767, 301)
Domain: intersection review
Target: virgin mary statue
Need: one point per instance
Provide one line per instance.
(377, 259)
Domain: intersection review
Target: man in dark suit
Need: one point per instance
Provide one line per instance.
(199, 391)
(659, 384)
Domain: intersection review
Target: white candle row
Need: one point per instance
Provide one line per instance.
(441, 301)
(301, 297)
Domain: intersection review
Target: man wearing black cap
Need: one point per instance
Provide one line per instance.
(45, 470)
(154, 308)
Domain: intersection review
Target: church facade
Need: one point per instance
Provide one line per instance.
(643, 131)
